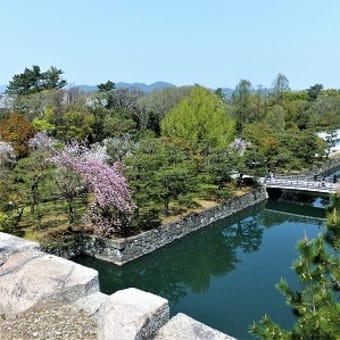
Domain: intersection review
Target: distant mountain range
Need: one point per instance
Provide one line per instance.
(134, 86)
(227, 92)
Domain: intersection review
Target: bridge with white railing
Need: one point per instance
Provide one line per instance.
(300, 183)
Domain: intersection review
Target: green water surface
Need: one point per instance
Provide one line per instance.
(225, 274)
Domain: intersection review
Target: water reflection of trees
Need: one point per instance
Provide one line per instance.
(191, 263)
(188, 264)
(246, 234)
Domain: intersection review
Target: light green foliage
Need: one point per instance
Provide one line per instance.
(42, 125)
(200, 121)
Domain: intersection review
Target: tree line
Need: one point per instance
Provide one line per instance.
(177, 145)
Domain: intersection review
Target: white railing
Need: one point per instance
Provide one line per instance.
(291, 183)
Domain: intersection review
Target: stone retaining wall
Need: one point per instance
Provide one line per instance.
(120, 251)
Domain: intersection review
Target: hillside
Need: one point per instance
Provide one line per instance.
(136, 86)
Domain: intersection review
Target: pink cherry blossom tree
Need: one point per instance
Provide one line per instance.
(109, 211)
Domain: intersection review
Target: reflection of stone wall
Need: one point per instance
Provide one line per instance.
(124, 250)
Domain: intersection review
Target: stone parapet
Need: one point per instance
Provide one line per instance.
(132, 314)
(10, 244)
(31, 277)
(183, 327)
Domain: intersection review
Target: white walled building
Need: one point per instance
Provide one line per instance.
(336, 139)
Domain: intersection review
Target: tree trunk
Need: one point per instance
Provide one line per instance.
(71, 214)
(166, 202)
(18, 217)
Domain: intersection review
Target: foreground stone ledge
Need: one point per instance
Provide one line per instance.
(10, 244)
(132, 314)
(31, 277)
(92, 304)
(182, 327)
(45, 293)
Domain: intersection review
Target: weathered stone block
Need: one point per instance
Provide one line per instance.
(10, 244)
(183, 327)
(132, 314)
(30, 277)
(91, 304)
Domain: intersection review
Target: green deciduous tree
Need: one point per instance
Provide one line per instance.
(200, 122)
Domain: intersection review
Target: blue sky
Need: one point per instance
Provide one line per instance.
(214, 43)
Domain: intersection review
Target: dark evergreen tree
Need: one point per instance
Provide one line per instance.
(105, 87)
(33, 81)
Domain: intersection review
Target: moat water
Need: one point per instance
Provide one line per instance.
(225, 274)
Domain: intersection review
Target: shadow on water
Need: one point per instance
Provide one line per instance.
(295, 210)
(215, 270)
